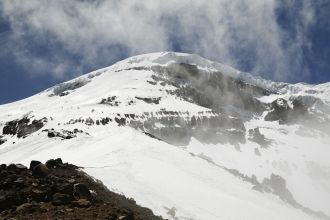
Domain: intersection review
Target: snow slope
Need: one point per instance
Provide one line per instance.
(137, 135)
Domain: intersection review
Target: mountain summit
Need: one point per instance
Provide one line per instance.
(184, 136)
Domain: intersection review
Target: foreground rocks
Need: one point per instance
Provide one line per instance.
(57, 190)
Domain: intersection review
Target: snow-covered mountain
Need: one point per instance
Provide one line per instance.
(185, 137)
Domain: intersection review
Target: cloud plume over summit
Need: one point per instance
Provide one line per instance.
(64, 38)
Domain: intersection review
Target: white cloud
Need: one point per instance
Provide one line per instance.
(216, 29)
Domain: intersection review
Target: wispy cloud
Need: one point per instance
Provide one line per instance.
(85, 34)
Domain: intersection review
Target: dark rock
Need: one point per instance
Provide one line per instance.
(2, 140)
(64, 134)
(178, 129)
(149, 100)
(110, 101)
(27, 208)
(41, 195)
(3, 166)
(277, 185)
(11, 166)
(21, 167)
(60, 199)
(280, 111)
(26, 129)
(64, 93)
(77, 131)
(40, 170)
(299, 108)
(4, 203)
(24, 120)
(105, 121)
(151, 82)
(51, 134)
(20, 182)
(211, 90)
(82, 203)
(22, 127)
(120, 121)
(27, 196)
(256, 136)
(89, 121)
(71, 181)
(57, 163)
(129, 216)
(17, 167)
(10, 128)
(80, 190)
(34, 163)
(65, 88)
(152, 136)
(64, 188)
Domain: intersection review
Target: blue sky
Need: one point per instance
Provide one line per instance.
(45, 42)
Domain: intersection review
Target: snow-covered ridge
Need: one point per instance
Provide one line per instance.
(167, 58)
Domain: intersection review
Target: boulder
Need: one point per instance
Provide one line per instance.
(17, 167)
(27, 208)
(80, 190)
(57, 163)
(64, 188)
(82, 203)
(3, 166)
(257, 137)
(10, 128)
(34, 163)
(2, 140)
(61, 199)
(51, 134)
(41, 195)
(40, 170)
(21, 167)
(20, 182)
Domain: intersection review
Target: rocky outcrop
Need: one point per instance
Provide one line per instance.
(23, 127)
(210, 89)
(120, 121)
(58, 190)
(2, 140)
(63, 134)
(149, 100)
(282, 112)
(178, 128)
(175, 127)
(65, 88)
(304, 110)
(276, 184)
(110, 101)
(257, 137)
